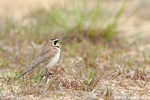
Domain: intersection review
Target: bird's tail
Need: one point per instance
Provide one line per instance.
(27, 71)
(34, 64)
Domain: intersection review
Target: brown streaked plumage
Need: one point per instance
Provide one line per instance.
(48, 56)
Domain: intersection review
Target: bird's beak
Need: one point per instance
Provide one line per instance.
(60, 41)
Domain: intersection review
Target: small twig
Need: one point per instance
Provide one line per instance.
(138, 84)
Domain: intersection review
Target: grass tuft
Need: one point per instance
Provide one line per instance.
(79, 18)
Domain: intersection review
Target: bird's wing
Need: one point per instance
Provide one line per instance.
(46, 54)
(46, 48)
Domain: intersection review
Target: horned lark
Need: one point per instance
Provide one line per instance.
(48, 57)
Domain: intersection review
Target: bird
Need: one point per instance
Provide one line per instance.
(48, 56)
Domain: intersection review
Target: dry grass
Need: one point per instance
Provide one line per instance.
(109, 74)
(116, 69)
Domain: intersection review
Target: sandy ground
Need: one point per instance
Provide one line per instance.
(19, 8)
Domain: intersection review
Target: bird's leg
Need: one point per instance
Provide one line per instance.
(47, 75)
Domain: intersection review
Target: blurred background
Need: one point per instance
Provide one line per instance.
(98, 18)
(102, 40)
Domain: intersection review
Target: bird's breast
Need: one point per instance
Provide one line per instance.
(54, 59)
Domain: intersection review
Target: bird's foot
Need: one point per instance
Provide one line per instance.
(47, 76)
